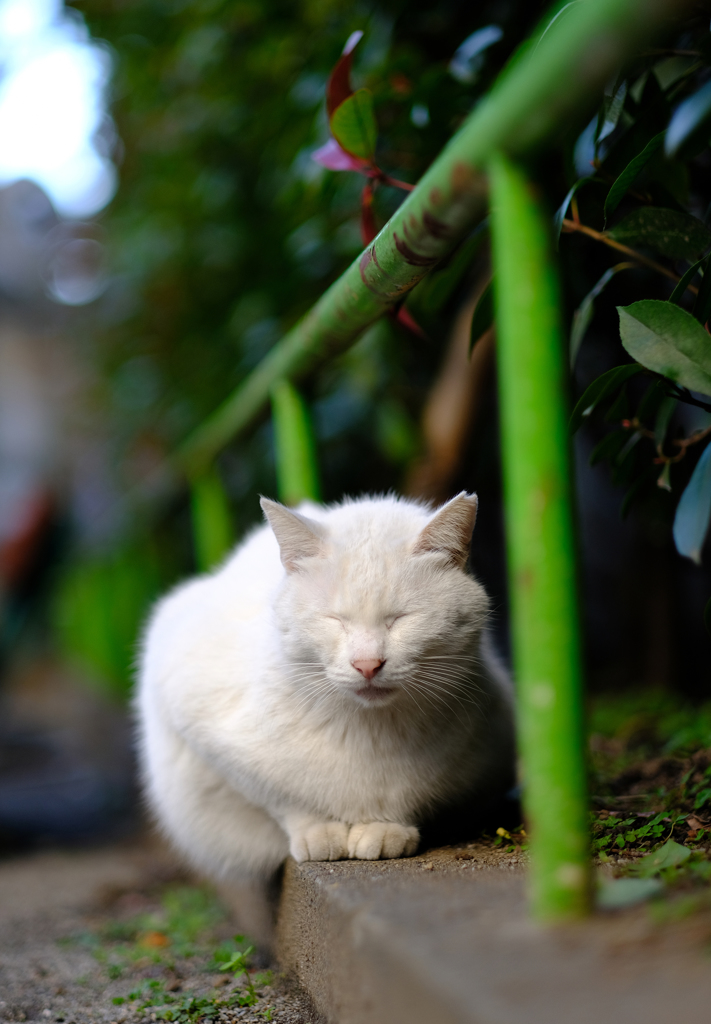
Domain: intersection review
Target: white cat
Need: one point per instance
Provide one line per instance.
(324, 691)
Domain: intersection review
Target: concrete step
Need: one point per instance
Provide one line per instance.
(444, 939)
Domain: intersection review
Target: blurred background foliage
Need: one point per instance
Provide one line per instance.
(224, 232)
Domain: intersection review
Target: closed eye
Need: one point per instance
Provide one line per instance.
(392, 619)
(335, 618)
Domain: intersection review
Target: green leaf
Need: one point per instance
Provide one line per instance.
(668, 856)
(685, 281)
(483, 316)
(602, 387)
(353, 125)
(633, 169)
(693, 512)
(563, 208)
(613, 106)
(584, 313)
(689, 117)
(212, 522)
(617, 893)
(581, 321)
(665, 338)
(673, 233)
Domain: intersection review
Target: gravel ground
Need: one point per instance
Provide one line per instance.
(94, 935)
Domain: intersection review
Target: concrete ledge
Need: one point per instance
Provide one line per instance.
(444, 939)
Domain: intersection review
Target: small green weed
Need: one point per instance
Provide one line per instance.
(183, 926)
(187, 1009)
(611, 832)
(238, 965)
(516, 841)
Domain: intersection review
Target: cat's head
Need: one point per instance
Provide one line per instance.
(377, 603)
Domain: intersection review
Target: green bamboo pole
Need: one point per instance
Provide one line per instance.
(294, 446)
(213, 535)
(541, 547)
(546, 83)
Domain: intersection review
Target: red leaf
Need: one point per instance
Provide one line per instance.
(368, 230)
(407, 320)
(339, 84)
(335, 158)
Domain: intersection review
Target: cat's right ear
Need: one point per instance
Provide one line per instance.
(298, 537)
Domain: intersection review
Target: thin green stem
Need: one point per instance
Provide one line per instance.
(213, 534)
(294, 446)
(541, 548)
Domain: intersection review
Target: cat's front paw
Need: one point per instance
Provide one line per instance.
(327, 840)
(382, 839)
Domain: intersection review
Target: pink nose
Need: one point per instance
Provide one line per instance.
(368, 666)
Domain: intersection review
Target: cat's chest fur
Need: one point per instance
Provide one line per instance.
(284, 747)
(353, 768)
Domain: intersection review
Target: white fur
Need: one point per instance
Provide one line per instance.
(260, 738)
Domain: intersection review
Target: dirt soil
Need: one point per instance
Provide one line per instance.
(83, 930)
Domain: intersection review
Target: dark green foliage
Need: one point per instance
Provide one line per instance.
(604, 387)
(653, 159)
(224, 231)
(671, 232)
(687, 277)
(629, 175)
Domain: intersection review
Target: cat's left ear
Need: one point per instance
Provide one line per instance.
(450, 531)
(298, 536)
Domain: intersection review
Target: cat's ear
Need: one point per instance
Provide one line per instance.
(297, 536)
(450, 531)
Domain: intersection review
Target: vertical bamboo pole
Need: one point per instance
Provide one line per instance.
(294, 446)
(541, 548)
(213, 535)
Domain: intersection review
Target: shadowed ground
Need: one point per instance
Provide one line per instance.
(83, 930)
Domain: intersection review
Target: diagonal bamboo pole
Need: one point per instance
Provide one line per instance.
(544, 85)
